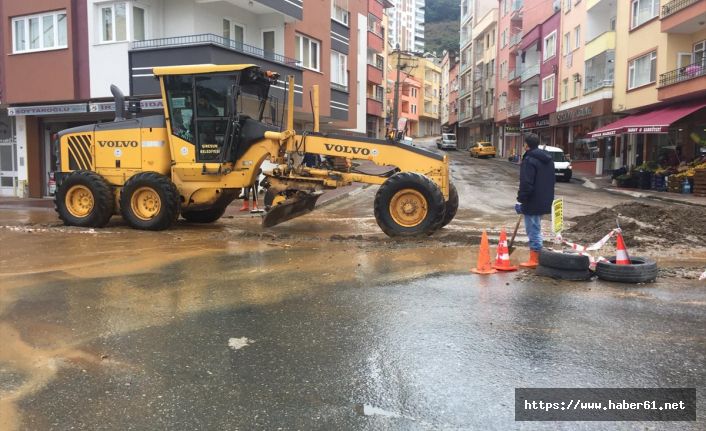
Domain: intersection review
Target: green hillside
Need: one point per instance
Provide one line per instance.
(441, 25)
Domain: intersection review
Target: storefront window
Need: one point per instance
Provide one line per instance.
(586, 149)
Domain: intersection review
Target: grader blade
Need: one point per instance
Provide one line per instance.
(298, 205)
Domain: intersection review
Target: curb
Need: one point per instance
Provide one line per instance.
(589, 184)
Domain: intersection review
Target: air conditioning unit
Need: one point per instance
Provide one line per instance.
(557, 5)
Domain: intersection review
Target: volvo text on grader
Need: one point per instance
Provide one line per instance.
(211, 141)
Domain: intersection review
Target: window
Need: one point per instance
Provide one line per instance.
(414, 109)
(307, 52)
(235, 33)
(548, 88)
(180, 93)
(503, 39)
(339, 11)
(504, 7)
(567, 44)
(577, 37)
(113, 23)
(565, 90)
(138, 23)
(577, 86)
(699, 56)
(550, 46)
(39, 32)
(567, 6)
(339, 68)
(642, 70)
(643, 11)
(379, 93)
(414, 92)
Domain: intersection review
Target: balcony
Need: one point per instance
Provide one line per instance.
(685, 80)
(374, 75)
(596, 83)
(375, 41)
(374, 107)
(600, 44)
(683, 16)
(202, 49)
(529, 72)
(375, 8)
(515, 40)
(516, 10)
(513, 109)
(529, 110)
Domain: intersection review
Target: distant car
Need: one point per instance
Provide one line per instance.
(407, 140)
(482, 149)
(562, 166)
(446, 142)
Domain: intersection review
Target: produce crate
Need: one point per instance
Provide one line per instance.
(700, 182)
(658, 183)
(674, 184)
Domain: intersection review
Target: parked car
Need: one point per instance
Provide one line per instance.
(562, 165)
(446, 142)
(408, 140)
(482, 149)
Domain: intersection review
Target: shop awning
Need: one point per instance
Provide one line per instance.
(655, 121)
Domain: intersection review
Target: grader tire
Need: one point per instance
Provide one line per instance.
(149, 201)
(204, 216)
(84, 199)
(451, 206)
(409, 204)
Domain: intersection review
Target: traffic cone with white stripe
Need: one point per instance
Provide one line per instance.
(502, 256)
(483, 266)
(621, 252)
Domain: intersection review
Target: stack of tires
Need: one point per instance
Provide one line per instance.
(575, 267)
(564, 266)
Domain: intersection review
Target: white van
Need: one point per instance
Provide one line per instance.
(562, 165)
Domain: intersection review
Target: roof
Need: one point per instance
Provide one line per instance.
(195, 69)
(551, 149)
(654, 121)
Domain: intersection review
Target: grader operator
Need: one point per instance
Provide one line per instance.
(215, 133)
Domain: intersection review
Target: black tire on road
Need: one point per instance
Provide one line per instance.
(640, 270)
(451, 205)
(149, 201)
(415, 195)
(204, 216)
(563, 274)
(84, 199)
(570, 261)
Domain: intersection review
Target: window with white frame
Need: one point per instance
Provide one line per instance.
(307, 52)
(39, 32)
(565, 89)
(642, 11)
(339, 68)
(567, 6)
(642, 70)
(339, 11)
(699, 53)
(233, 32)
(577, 37)
(414, 92)
(113, 20)
(379, 93)
(548, 88)
(413, 109)
(549, 46)
(503, 39)
(567, 43)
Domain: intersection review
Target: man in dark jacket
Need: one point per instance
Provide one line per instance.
(536, 194)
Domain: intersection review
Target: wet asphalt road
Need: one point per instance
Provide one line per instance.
(214, 328)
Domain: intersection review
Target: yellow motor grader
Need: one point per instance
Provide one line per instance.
(217, 129)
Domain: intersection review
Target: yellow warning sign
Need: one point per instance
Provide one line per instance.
(557, 215)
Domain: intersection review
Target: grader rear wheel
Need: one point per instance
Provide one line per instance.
(84, 199)
(149, 201)
(409, 204)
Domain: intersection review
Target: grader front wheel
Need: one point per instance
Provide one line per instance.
(409, 204)
(84, 199)
(149, 201)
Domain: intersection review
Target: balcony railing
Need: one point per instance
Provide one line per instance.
(515, 39)
(530, 109)
(513, 109)
(592, 85)
(208, 38)
(530, 71)
(675, 6)
(685, 73)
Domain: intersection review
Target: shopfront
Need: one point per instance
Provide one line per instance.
(589, 155)
(511, 139)
(540, 127)
(8, 156)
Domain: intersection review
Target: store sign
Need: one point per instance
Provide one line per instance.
(512, 130)
(647, 129)
(149, 104)
(47, 109)
(574, 114)
(536, 124)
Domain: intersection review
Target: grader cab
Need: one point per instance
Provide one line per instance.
(217, 129)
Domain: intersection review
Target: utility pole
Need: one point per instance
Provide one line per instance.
(395, 108)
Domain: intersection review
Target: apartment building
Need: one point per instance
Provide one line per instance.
(586, 72)
(409, 99)
(507, 87)
(428, 73)
(449, 92)
(407, 25)
(452, 122)
(659, 81)
(538, 58)
(484, 35)
(62, 78)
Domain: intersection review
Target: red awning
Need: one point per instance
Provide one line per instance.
(655, 121)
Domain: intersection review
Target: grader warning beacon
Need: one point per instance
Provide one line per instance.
(217, 129)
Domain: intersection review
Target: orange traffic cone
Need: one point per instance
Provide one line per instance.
(246, 205)
(621, 252)
(483, 266)
(502, 257)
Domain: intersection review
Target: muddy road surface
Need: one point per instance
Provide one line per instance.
(323, 322)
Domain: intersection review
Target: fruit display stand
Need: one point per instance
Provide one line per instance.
(700, 182)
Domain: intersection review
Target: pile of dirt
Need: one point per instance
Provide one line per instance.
(643, 225)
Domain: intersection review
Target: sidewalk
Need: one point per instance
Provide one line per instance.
(604, 183)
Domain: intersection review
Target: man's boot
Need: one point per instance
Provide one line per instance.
(533, 260)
